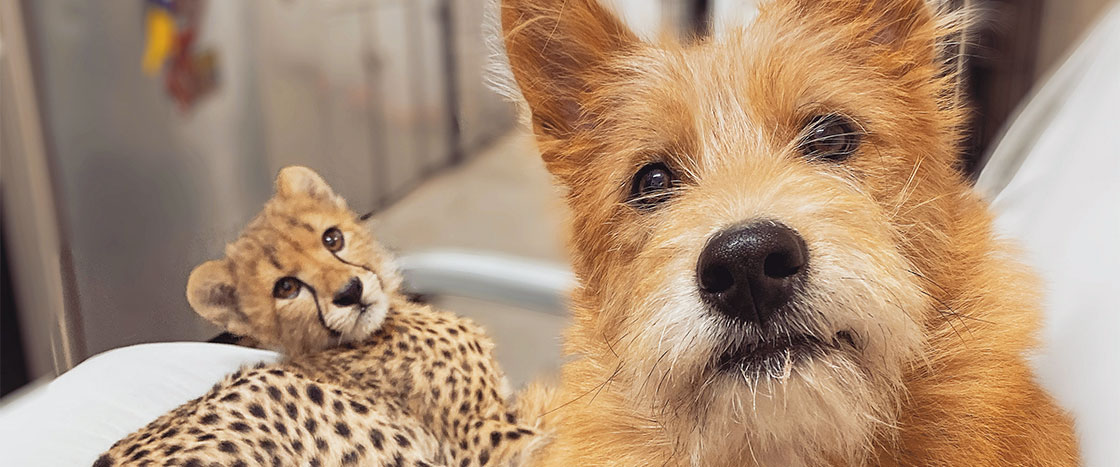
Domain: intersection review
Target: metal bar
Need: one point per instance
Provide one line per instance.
(451, 82)
(501, 279)
(42, 272)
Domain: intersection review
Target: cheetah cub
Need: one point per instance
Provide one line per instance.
(305, 275)
(370, 378)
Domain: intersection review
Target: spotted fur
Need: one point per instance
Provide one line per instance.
(423, 389)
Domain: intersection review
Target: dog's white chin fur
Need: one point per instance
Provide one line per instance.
(829, 404)
(826, 406)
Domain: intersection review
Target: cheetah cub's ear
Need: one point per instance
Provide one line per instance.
(213, 294)
(301, 182)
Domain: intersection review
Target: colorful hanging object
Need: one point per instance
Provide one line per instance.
(160, 31)
(171, 27)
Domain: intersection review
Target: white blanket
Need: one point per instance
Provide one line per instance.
(77, 416)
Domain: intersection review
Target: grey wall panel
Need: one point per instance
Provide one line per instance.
(355, 89)
(315, 100)
(395, 85)
(146, 192)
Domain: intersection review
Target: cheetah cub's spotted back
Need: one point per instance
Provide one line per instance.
(383, 381)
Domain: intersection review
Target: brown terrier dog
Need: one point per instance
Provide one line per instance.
(779, 262)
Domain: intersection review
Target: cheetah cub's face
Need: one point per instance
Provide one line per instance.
(305, 275)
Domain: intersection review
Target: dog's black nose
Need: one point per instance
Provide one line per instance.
(748, 272)
(350, 294)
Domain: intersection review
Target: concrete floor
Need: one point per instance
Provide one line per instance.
(501, 201)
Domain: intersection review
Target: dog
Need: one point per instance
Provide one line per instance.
(779, 260)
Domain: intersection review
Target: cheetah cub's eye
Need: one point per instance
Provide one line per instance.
(333, 240)
(830, 137)
(286, 288)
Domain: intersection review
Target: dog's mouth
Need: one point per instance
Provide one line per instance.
(777, 355)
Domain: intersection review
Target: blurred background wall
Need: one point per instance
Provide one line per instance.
(377, 95)
(114, 187)
(151, 173)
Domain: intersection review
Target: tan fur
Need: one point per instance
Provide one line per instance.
(902, 254)
(286, 239)
(421, 388)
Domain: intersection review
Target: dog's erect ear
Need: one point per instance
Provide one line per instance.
(903, 33)
(301, 181)
(555, 47)
(213, 294)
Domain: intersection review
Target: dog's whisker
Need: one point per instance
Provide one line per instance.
(589, 391)
(609, 346)
(652, 369)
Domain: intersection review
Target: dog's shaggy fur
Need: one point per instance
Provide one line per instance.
(926, 315)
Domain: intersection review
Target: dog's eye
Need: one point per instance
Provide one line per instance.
(333, 239)
(830, 137)
(651, 185)
(286, 288)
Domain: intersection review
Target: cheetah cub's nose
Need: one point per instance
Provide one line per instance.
(351, 293)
